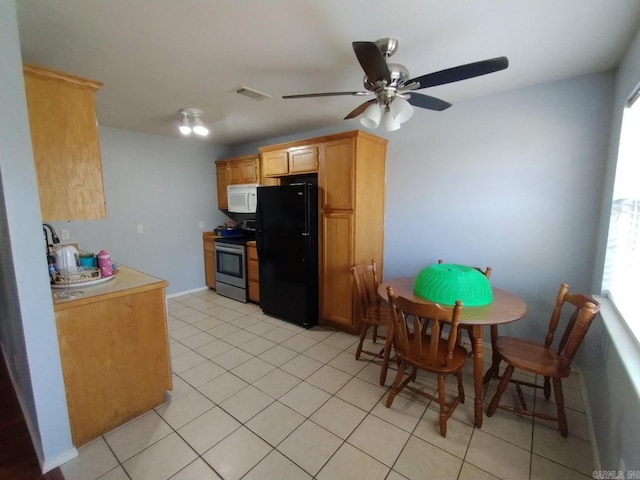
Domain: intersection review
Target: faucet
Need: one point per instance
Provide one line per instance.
(54, 237)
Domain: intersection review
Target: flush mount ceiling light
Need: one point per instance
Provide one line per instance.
(191, 122)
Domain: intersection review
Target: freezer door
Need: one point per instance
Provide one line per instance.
(287, 208)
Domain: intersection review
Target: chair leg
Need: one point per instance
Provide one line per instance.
(562, 418)
(363, 335)
(442, 402)
(460, 387)
(396, 384)
(375, 333)
(388, 344)
(547, 388)
(502, 386)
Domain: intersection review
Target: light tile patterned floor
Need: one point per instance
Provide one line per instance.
(258, 398)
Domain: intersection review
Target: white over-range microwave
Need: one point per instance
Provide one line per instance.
(242, 198)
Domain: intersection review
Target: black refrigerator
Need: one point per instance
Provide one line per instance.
(287, 243)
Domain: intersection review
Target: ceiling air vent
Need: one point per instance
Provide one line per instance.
(249, 92)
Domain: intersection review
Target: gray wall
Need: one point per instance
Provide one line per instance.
(165, 184)
(27, 324)
(611, 356)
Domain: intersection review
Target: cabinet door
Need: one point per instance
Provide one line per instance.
(66, 146)
(249, 171)
(336, 176)
(275, 163)
(337, 259)
(209, 263)
(234, 173)
(303, 160)
(253, 274)
(222, 181)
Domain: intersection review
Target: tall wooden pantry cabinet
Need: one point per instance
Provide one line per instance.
(352, 181)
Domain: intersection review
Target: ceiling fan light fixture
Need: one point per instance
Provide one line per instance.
(371, 116)
(401, 110)
(388, 122)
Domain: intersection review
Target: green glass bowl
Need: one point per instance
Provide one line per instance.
(447, 282)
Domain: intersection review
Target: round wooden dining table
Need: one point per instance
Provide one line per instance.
(504, 308)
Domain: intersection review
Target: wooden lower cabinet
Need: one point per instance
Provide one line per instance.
(209, 259)
(337, 305)
(115, 358)
(252, 272)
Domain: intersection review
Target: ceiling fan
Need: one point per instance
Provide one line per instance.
(394, 91)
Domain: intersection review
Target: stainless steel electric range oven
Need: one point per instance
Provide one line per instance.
(231, 267)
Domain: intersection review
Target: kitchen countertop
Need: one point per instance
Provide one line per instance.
(126, 282)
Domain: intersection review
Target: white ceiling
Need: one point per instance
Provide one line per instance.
(158, 56)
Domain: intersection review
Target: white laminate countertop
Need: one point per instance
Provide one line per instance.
(126, 281)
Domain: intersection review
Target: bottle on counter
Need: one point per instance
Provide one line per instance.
(52, 266)
(104, 263)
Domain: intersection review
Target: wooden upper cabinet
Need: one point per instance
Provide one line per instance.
(66, 146)
(338, 175)
(275, 163)
(222, 181)
(235, 171)
(303, 160)
(290, 161)
(243, 170)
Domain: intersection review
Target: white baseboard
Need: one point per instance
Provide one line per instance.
(52, 463)
(187, 292)
(587, 411)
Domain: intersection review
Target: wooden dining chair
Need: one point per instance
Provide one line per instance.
(372, 314)
(436, 352)
(543, 360)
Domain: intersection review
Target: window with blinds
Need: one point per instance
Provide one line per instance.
(621, 280)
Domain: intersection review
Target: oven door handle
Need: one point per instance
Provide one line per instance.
(228, 250)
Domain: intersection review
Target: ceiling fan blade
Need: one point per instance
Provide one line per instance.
(359, 110)
(461, 72)
(425, 101)
(372, 61)
(327, 94)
